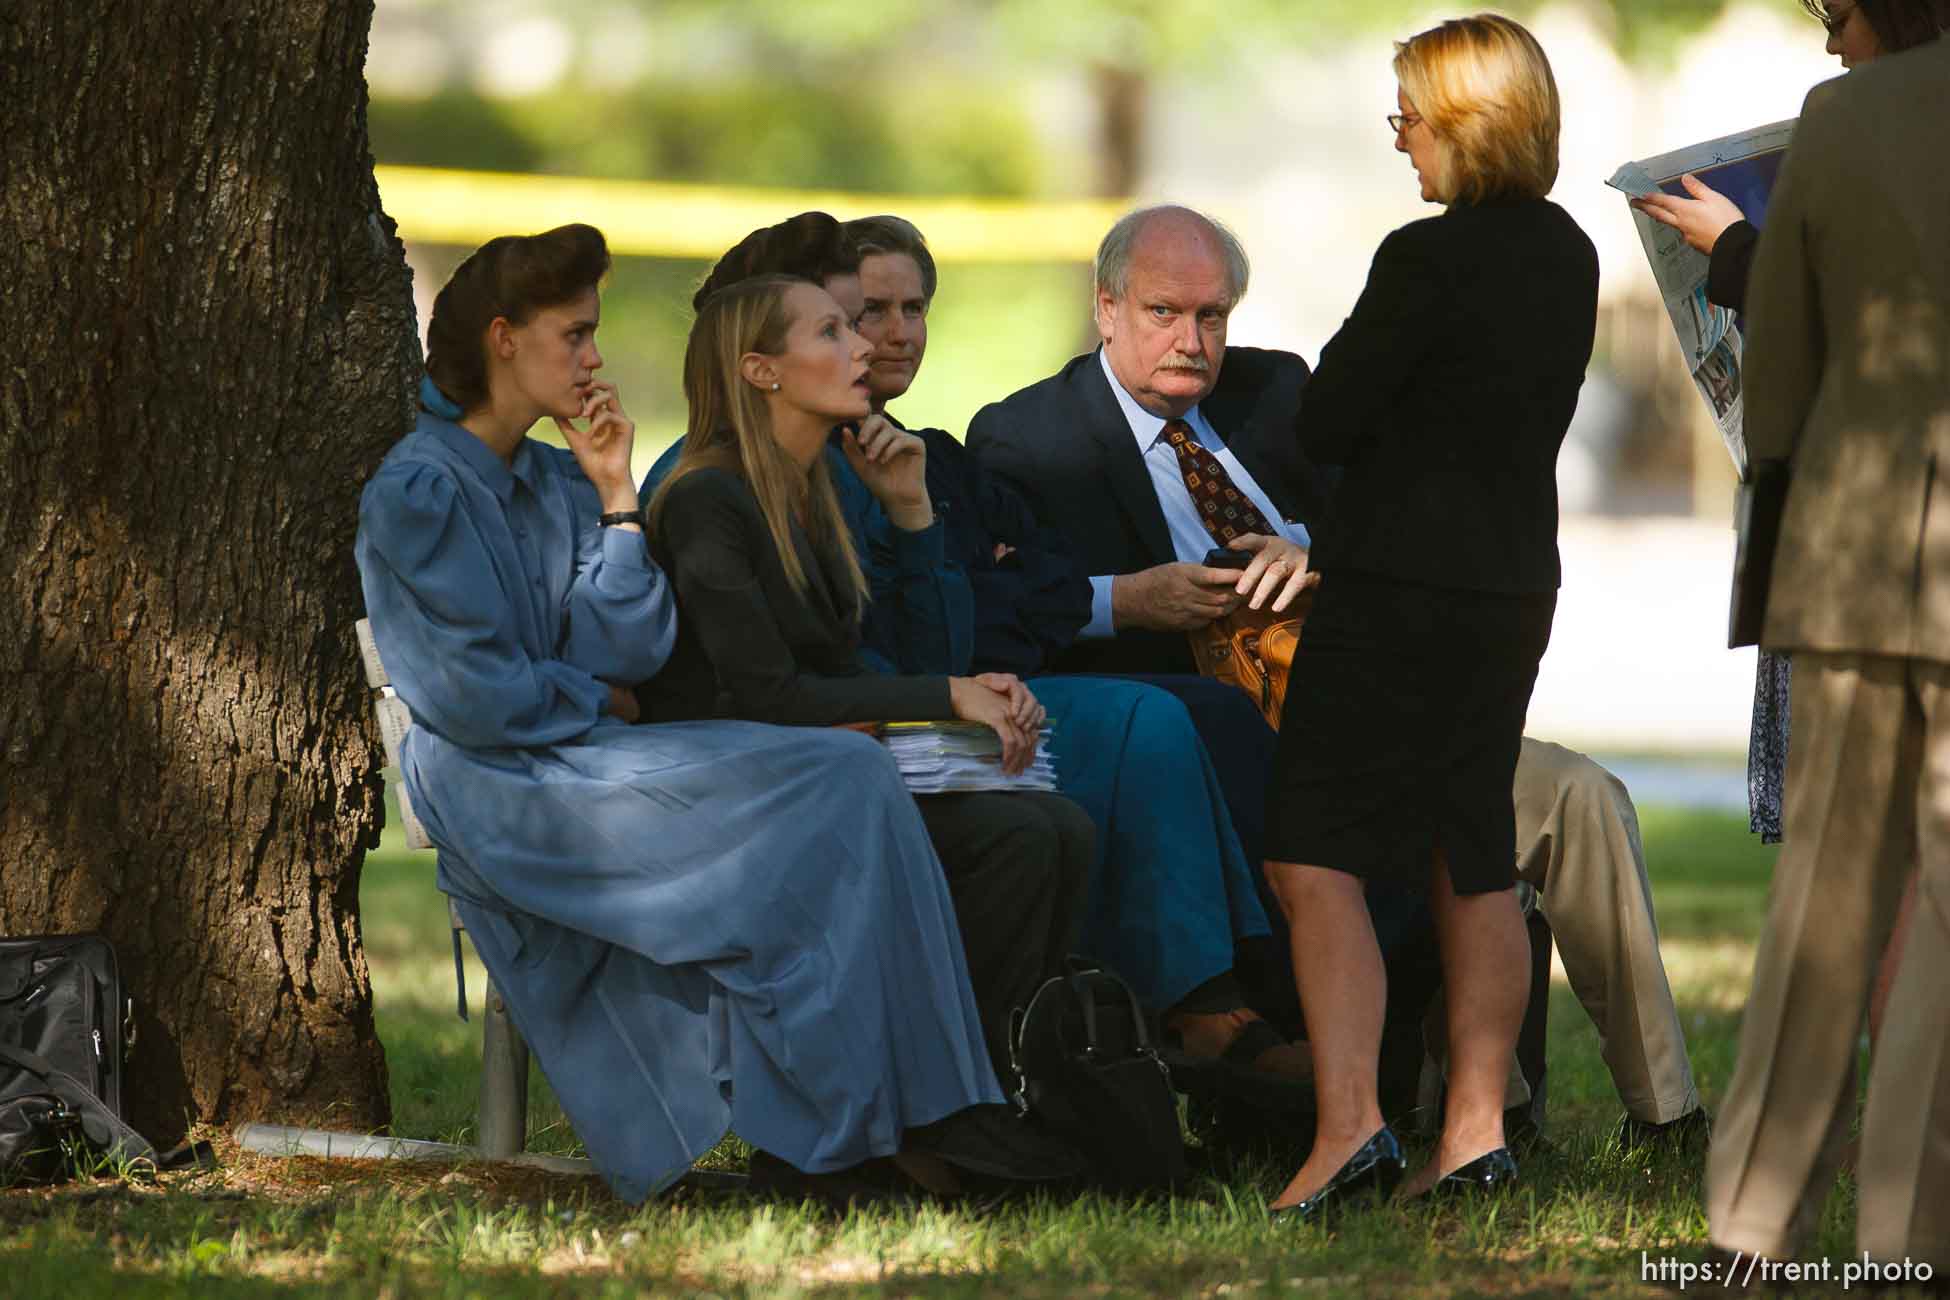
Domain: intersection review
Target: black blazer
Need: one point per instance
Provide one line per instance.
(748, 645)
(1030, 604)
(1066, 446)
(1731, 265)
(1446, 395)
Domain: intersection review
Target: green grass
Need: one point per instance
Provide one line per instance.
(1578, 1223)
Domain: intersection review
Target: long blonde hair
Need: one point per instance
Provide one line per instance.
(730, 426)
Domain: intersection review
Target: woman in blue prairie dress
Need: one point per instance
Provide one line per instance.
(696, 926)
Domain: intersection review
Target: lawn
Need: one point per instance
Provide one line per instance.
(1581, 1221)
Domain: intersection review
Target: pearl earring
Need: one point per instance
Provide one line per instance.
(775, 385)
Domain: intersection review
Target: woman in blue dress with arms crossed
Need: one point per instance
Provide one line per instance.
(691, 930)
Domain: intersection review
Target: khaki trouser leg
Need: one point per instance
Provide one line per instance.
(1578, 843)
(1850, 828)
(1904, 1173)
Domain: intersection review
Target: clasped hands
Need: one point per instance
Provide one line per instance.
(1184, 597)
(1000, 702)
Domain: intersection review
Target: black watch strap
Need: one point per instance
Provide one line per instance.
(621, 517)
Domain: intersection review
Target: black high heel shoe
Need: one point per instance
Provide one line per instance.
(1490, 1172)
(1377, 1166)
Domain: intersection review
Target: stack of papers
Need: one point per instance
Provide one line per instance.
(945, 757)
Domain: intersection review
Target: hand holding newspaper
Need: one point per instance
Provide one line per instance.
(1742, 167)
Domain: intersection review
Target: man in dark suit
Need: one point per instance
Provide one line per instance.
(1104, 450)
(1076, 445)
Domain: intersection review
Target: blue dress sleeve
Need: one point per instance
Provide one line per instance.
(921, 615)
(620, 617)
(447, 629)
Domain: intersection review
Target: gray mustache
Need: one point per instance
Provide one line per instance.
(1178, 361)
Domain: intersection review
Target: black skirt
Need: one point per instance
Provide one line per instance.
(1404, 716)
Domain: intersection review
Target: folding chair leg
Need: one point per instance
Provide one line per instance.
(503, 1116)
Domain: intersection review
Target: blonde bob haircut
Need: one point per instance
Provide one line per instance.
(1485, 89)
(730, 426)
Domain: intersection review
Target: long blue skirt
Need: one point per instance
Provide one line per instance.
(1172, 891)
(703, 926)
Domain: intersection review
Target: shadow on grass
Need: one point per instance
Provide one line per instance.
(1582, 1220)
(1709, 875)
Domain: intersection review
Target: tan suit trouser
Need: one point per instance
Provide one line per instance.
(1578, 844)
(1868, 793)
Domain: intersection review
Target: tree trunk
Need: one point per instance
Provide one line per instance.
(1123, 95)
(208, 345)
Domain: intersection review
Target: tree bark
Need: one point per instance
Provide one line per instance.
(208, 345)
(1123, 98)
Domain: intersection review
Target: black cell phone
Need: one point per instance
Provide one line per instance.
(1224, 557)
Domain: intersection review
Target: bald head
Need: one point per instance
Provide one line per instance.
(1167, 279)
(1168, 230)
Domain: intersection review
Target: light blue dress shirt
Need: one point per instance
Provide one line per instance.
(1189, 540)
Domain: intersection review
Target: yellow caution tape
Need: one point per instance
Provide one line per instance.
(666, 219)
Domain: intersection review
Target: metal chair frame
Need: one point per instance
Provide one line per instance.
(501, 1115)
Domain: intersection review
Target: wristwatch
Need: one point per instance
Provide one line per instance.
(621, 517)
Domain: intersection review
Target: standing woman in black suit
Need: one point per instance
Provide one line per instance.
(1445, 397)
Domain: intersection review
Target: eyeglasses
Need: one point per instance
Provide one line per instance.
(1833, 19)
(1400, 122)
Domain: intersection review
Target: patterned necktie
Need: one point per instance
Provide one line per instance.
(1225, 511)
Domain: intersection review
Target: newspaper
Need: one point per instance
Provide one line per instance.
(1743, 167)
(938, 757)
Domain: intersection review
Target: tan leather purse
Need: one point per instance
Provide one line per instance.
(1253, 650)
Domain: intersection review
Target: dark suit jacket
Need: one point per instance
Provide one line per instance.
(1030, 604)
(749, 645)
(1065, 445)
(1446, 395)
(1731, 266)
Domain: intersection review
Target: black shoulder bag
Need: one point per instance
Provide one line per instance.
(1085, 1066)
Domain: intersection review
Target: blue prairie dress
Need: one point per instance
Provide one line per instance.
(696, 926)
